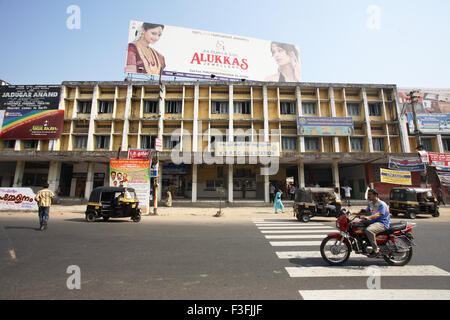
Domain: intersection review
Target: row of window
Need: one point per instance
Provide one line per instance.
(221, 107)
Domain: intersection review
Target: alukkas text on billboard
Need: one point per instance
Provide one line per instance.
(156, 49)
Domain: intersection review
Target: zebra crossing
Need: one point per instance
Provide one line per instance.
(301, 242)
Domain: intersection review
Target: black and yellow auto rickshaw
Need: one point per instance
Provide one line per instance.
(413, 201)
(113, 202)
(311, 202)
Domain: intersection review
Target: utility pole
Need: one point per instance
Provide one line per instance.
(414, 97)
(156, 181)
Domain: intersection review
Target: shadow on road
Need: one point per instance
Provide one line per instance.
(97, 221)
(21, 228)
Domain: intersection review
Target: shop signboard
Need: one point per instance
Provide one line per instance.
(139, 154)
(406, 164)
(325, 126)
(439, 159)
(434, 123)
(247, 149)
(30, 112)
(17, 199)
(444, 177)
(134, 174)
(156, 49)
(395, 177)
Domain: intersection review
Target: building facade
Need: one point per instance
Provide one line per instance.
(103, 119)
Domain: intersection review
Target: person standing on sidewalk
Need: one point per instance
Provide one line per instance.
(272, 192)
(44, 199)
(439, 196)
(277, 202)
(348, 194)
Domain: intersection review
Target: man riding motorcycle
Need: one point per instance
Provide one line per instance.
(377, 213)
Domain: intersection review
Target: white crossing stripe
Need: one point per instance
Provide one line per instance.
(298, 236)
(301, 254)
(361, 271)
(286, 224)
(287, 228)
(296, 231)
(294, 243)
(380, 294)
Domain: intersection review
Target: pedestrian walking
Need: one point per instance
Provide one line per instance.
(44, 199)
(439, 196)
(348, 194)
(272, 192)
(292, 191)
(277, 202)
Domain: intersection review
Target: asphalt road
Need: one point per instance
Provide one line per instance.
(199, 259)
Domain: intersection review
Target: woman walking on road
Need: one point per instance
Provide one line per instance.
(277, 202)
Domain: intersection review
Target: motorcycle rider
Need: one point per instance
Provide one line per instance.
(377, 213)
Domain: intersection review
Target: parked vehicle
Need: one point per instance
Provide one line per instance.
(413, 201)
(395, 243)
(113, 202)
(311, 202)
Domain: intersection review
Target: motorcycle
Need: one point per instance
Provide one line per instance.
(395, 243)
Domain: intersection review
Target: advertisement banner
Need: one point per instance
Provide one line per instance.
(30, 112)
(395, 177)
(134, 174)
(406, 164)
(247, 149)
(139, 154)
(156, 49)
(17, 199)
(431, 101)
(444, 178)
(325, 126)
(439, 159)
(438, 123)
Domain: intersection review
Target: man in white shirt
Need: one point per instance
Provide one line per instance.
(348, 194)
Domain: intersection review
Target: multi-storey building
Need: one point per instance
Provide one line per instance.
(102, 118)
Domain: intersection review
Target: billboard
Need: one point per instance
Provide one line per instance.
(134, 174)
(17, 199)
(430, 123)
(155, 49)
(325, 126)
(430, 100)
(406, 164)
(395, 177)
(30, 112)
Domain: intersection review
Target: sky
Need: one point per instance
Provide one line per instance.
(341, 41)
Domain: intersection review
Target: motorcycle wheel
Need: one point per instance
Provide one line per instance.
(331, 254)
(400, 261)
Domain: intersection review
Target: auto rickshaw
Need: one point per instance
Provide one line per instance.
(113, 202)
(413, 201)
(311, 202)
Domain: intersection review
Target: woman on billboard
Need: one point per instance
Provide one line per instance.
(286, 56)
(142, 58)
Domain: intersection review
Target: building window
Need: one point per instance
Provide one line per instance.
(378, 144)
(148, 142)
(102, 142)
(171, 143)
(219, 107)
(287, 108)
(9, 144)
(309, 107)
(312, 144)
(353, 109)
(427, 144)
(105, 106)
(84, 107)
(375, 109)
(289, 143)
(80, 142)
(173, 106)
(446, 143)
(357, 144)
(30, 144)
(242, 107)
(150, 106)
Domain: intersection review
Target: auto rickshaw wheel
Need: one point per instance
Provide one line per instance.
(137, 218)
(90, 217)
(106, 219)
(411, 215)
(436, 214)
(303, 217)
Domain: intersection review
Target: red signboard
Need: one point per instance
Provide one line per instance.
(439, 159)
(139, 154)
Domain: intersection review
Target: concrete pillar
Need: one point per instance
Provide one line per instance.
(367, 120)
(440, 144)
(89, 180)
(301, 174)
(160, 173)
(194, 183)
(18, 175)
(335, 169)
(54, 173)
(230, 183)
(73, 186)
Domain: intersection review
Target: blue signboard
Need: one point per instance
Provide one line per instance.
(325, 126)
(430, 123)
